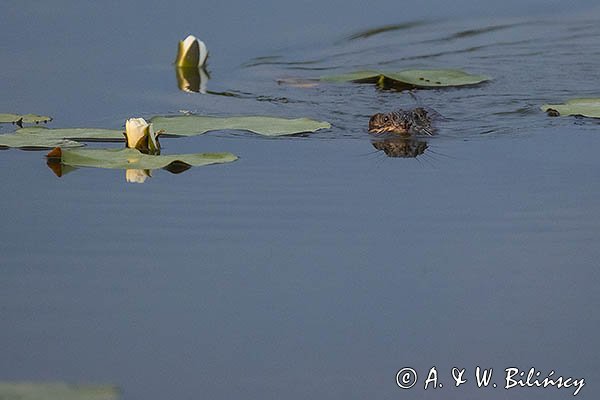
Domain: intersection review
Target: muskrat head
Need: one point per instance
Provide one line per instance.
(380, 123)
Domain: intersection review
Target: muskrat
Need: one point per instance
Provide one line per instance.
(409, 122)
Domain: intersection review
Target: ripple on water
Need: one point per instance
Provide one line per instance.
(529, 64)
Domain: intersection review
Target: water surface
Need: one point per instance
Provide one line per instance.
(315, 266)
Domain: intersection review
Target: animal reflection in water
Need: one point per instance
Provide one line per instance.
(401, 147)
(398, 131)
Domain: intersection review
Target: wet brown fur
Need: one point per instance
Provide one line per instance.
(411, 122)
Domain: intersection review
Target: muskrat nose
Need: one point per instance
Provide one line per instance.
(373, 120)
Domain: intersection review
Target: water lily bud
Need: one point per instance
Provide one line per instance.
(136, 129)
(140, 135)
(137, 175)
(191, 52)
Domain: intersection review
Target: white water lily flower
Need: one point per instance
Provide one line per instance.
(140, 135)
(191, 52)
(137, 175)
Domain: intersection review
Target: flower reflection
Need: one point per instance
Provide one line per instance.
(192, 79)
(137, 175)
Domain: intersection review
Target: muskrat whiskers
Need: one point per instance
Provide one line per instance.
(442, 154)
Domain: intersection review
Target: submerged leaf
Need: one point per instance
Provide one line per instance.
(81, 134)
(133, 159)
(585, 107)
(34, 143)
(24, 118)
(298, 82)
(416, 78)
(56, 391)
(188, 125)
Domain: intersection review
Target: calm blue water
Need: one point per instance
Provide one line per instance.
(313, 267)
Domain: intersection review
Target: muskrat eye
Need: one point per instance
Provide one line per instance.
(386, 119)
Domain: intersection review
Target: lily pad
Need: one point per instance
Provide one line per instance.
(584, 107)
(34, 143)
(133, 159)
(188, 125)
(56, 391)
(415, 78)
(23, 119)
(80, 134)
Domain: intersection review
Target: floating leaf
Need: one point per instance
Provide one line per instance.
(81, 134)
(56, 391)
(416, 78)
(188, 125)
(21, 119)
(133, 159)
(34, 143)
(584, 107)
(184, 126)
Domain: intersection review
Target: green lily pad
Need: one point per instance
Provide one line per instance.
(24, 118)
(80, 134)
(188, 125)
(416, 78)
(133, 159)
(584, 107)
(56, 391)
(34, 143)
